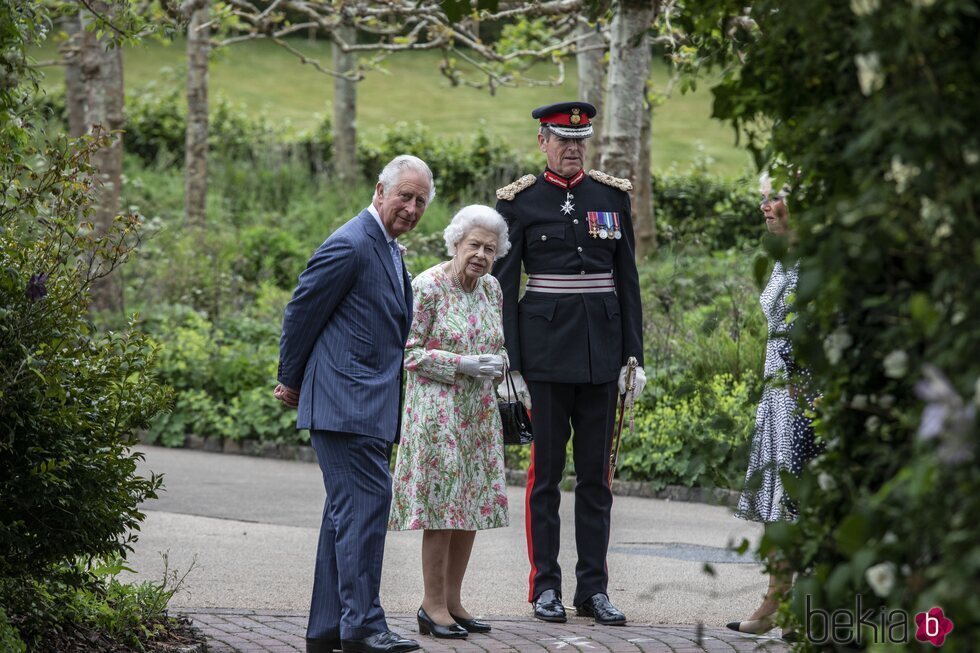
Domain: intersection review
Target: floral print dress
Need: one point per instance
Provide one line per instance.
(450, 468)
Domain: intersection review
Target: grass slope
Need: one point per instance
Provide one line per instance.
(267, 79)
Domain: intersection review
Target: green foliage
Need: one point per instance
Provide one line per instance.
(221, 375)
(702, 209)
(79, 605)
(70, 397)
(692, 439)
(876, 107)
(10, 641)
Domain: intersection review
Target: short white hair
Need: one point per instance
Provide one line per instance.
(393, 172)
(476, 215)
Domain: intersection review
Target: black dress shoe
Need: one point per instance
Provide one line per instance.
(429, 627)
(472, 625)
(384, 642)
(548, 607)
(322, 644)
(599, 608)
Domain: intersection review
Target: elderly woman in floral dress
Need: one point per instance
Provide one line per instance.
(449, 475)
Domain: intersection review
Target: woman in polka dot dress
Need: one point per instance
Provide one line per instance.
(783, 439)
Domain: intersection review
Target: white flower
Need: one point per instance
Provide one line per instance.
(922, 4)
(870, 76)
(901, 173)
(826, 482)
(889, 538)
(872, 423)
(865, 7)
(881, 578)
(860, 402)
(887, 401)
(835, 344)
(972, 157)
(896, 364)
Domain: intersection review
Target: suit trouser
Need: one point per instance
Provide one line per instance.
(586, 412)
(347, 579)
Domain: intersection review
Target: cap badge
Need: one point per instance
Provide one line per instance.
(575, 118)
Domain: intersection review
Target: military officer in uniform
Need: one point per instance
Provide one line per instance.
(568, 339)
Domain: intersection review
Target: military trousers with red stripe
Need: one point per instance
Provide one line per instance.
(585, 412)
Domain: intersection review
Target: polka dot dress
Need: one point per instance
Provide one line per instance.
(783, 438)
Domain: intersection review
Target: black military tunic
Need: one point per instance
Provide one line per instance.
(570, 348)
(574, 338)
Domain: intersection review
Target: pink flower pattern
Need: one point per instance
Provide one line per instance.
(450, 467)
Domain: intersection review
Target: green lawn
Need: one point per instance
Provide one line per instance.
(266, 78)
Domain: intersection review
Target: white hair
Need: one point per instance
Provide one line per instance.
(476, 215)
(393, 172)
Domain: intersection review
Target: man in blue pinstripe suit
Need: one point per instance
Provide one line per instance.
(340, 364)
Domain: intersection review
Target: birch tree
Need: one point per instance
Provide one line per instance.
(101, 76)
(590, 60)
(345, 106)
(629, 70)
(196, 138)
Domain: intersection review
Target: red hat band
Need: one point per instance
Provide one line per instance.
(575, 118)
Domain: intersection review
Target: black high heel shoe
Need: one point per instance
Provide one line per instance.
(428, 627)
(471, 625)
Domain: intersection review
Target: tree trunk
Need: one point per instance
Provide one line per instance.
(629, 69)
(70, 51)
(102, 78)
(646, 231)
(592, 87)
(344, 109)
(196, 142)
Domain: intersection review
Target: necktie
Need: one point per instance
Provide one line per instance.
(396, 258)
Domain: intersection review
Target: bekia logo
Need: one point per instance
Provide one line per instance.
(862, 626)
(933, 626)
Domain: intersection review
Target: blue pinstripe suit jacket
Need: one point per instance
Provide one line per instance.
(344, 332)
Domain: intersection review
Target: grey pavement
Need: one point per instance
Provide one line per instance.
(247, 529)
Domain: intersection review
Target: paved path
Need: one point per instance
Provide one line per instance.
(267, 631)
(248, 528)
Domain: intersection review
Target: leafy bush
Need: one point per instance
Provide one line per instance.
(86, 607)
(70, 398)
(691, 439)
(877, 109)
(222, 375)
(706, 210)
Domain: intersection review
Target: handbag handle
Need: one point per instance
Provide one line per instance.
(510, 385)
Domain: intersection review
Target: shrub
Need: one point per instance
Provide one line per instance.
(223, 377)
(84, 606)
(877, 109)
(691, 439)
(704, 210)
(70, 397)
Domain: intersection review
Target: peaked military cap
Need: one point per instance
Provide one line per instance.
(567, 119)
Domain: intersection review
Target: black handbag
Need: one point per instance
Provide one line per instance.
(514, 417)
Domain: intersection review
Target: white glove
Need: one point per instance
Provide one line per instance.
(639, 381)
(484, 366)
(523, 394)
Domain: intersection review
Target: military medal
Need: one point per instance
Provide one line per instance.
(568, 207)
(604, 224)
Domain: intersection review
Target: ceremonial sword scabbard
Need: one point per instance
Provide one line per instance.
(631, 365)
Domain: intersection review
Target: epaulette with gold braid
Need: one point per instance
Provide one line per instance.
(511, 190)
(609, 180)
